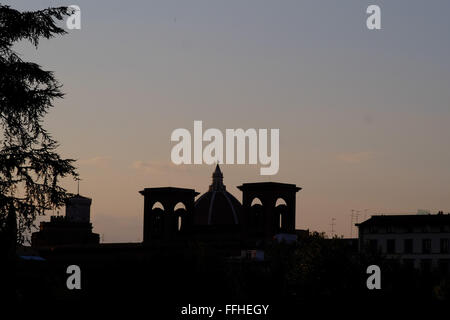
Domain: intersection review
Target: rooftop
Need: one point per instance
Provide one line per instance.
(407, 219)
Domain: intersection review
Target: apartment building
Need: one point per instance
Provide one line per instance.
(420, 241)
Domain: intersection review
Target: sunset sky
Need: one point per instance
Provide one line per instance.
(364, 116)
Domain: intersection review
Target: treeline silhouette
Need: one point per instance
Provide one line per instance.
(292, 276)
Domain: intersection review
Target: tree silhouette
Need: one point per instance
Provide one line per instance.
(30, 167)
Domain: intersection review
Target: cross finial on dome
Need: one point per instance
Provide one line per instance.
(217, 179)
(217, 171)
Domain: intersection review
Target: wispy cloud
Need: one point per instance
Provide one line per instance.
(154, 168)
(355, 157)
(97, 161)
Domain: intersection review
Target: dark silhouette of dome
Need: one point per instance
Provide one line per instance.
(217, 206)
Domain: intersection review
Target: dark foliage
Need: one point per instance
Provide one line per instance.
(30, 167)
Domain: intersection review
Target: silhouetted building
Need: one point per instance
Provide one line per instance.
(78, 209)
(217, 206)
(217, 217)
(269, 209)
(72, 229)
(420, 241)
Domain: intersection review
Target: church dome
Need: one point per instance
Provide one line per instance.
(217, 206)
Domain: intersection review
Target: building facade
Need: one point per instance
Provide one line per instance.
(74, 228)
(419, 241)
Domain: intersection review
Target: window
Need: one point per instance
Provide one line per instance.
(281, 222)
(444, 245)
(425, 265)
(157, 228)
(426, 246)
(373, 245)
(391, 246)
(373, 229)
(443, 265)
(408, 263)
(408, 245)
(180, 223)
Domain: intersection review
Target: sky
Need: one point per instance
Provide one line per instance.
(364, 115)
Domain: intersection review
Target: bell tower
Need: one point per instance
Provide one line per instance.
(168, 212)
(78, 209)
(269, 208)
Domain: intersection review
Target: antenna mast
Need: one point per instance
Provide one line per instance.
(78, 185)
(333, 223)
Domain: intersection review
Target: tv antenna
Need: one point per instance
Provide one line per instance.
(332, 224)
(78, 185)
(353, 218)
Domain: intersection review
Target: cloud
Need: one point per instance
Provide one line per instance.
(154, 168)
(98, 161)
(354, 157)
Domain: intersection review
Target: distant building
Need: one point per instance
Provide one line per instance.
(218, 218)
(173, 217)
(74, 228)
(420, 241)
(78, 209)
